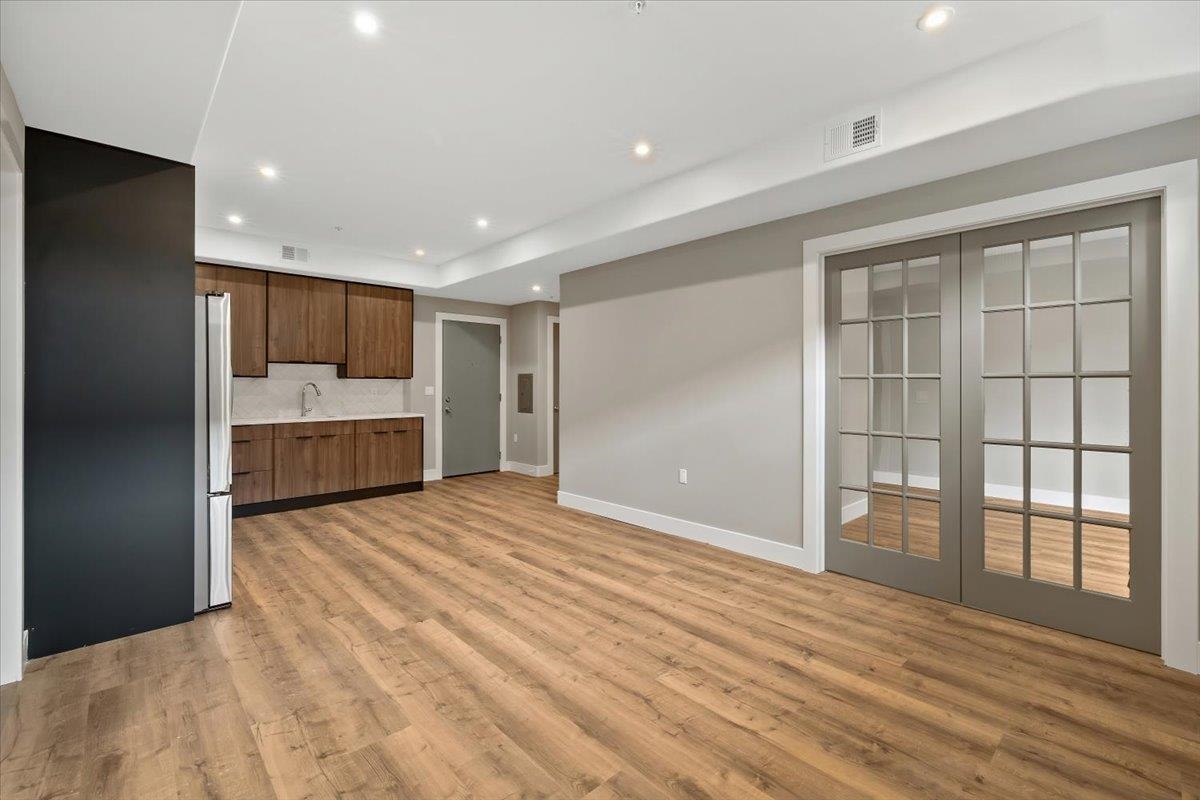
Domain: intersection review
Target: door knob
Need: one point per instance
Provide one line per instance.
(447, 409)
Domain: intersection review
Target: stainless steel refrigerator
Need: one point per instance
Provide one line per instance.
(214, 454)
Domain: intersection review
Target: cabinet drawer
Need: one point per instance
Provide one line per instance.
(252, 456)
(296, 430)
(250, 433)
(386, 425)
(252, 487)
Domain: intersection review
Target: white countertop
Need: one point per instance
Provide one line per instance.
(320, 418)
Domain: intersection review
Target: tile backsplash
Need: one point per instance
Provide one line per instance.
(278, 394)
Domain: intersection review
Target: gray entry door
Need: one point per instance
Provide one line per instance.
(892, 447)
(1061, 432)
(470, 398)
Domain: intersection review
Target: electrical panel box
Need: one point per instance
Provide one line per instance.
(525, 393)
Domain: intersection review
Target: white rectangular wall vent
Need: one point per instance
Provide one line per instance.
(861, 132)
(293, 253)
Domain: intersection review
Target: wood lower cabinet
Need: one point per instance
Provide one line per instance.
(313, 458)
(387, 452)
(253, 460)
(253, 487)
(306, 319)
(379, 321)
(247, 290)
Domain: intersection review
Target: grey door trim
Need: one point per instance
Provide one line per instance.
(435, 409)
(1133, 622)
(936, 578)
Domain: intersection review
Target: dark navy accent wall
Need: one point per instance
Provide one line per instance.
(109, 268)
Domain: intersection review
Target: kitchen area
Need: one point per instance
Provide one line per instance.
(299, 402)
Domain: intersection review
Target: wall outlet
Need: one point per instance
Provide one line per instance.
(429, 391)
(683, 476)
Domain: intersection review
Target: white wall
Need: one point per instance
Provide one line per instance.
(12, 384)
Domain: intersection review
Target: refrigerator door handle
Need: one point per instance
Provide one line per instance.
(220, 395)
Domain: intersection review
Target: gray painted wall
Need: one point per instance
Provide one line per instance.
(527, 353)
(691, 356)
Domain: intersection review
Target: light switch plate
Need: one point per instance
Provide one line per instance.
(429, 391)
(514, 438)
(683, 475)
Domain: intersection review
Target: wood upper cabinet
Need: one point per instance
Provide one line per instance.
(387, 452)
(327, 321)
(247, 290)
(379, 327)
(306, 319)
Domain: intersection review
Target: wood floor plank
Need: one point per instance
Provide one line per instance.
(476, 640)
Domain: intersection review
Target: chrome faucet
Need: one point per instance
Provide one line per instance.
(305, 408)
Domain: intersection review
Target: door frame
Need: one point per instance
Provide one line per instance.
(1177, 185)
(443, 316)
(550, 323)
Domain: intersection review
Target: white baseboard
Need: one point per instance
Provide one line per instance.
(854, 510)
(788, 554)
(539, 471)
(1093, 502)
(432, 475)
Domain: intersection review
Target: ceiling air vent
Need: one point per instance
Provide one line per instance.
(293, 253)
(852, 135)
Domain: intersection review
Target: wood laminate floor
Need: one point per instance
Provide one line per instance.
(1105, 549)
(477, 641)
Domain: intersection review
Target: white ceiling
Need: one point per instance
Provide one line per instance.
(525, 113)
(133, 74)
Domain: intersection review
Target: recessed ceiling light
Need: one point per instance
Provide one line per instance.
(935, 18)
(366, 23)
(234, 219)
(419, 252)
(643, 149)
(536, 288)
(481, 222)
(268, 171)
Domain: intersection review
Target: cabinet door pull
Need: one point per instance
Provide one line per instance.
(303, 437)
